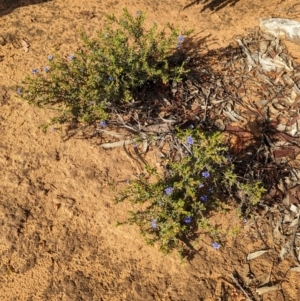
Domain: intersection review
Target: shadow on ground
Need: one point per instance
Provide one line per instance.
(7, 6)
(213, 5)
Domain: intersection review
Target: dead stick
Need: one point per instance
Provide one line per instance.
(294, 236)
(240, 287)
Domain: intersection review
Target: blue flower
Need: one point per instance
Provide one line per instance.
(200, 185)
(71, 57)
(19, 90)
(188, 220)
(203, 198)
(168, 190)
(103, 123)
(50, 57)
(190, 140)
(154, 224)
(216, 246)
(110, 78)
(35, 71)
(205, 174)
(211, 190)
(191, 126)
(180, 39)
(46, 69)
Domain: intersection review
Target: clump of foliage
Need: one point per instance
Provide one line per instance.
(170, 209)
(106, 70)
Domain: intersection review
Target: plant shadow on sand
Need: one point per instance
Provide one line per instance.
(212, 5)
(7, 6)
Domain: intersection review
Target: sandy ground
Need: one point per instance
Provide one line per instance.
(58, 239)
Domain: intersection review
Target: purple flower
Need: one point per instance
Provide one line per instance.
(211, 190)
(50, 57)
(110, 78)
(71, 57)
(168, 190)
(191, 126)
(19, 90)
(200, 185)
(216, 246)
(180, 39)
(190, 140)
(203, 198)
(35, 71)
(103, 123)
(154, 224)
(138, 13)
(205, 174)
(188, 220)
(46, 69)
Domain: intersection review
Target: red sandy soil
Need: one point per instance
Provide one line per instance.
(58, 239)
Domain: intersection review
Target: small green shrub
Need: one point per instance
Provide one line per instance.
(170, 209)
(107, 70)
